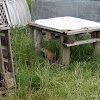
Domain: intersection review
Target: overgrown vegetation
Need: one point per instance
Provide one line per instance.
(29, 3)
(38, 80)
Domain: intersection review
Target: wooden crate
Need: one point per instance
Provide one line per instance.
(7, 74)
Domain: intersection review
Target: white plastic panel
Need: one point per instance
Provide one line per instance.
(16, 11)
(67, 23)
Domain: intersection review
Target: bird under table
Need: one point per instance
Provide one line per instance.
(65, 28)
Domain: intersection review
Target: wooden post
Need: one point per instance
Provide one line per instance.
(50, 36)
(69, 39)
(37, 39)
(31, 31)
(97, 44)
(1, 60)
(64, 52)
(10, 58)
(93, 35)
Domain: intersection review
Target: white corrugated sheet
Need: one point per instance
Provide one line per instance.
(67, 23)
(17, 12)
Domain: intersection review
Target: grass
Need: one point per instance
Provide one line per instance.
(38, 80)
(29, 3)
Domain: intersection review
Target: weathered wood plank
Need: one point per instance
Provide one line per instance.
(56, 38)
(44, 27)
(5, 60)
(93, 34)
(82, 42)
(68, 32)
(97, 44)
(2, 70)
(69, 39)
(3, 40)
(79, 31)
(49, 35)
(10, 59)
(8, 41)
(2, 26)
(98, 34)
(37, 39)
(31, 31)
(10, 80)
(64, 53)
(5, 53)
(67, 24)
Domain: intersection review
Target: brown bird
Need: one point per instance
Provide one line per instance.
(49, 54)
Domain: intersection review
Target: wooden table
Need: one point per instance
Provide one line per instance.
(66, 28)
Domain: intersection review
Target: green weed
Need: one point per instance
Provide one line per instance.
(37, 80)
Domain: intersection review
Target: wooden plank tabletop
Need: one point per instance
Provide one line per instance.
(67, 24)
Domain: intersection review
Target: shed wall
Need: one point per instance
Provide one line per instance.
(86, 9)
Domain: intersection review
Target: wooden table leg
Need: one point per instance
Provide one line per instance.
(93, 35)
(37, 39)
(64, 53)
(49, 36)
(31, 31)
(97, 44)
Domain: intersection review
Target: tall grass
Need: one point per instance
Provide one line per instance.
(38, 80)
(29, 3)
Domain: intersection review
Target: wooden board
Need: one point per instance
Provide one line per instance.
(85, 30)
(1, 26)
(44, 27)
(37, 39)
(3, 40)
(4, 28)
(67, 24)
(1, 60)
(82, 42)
